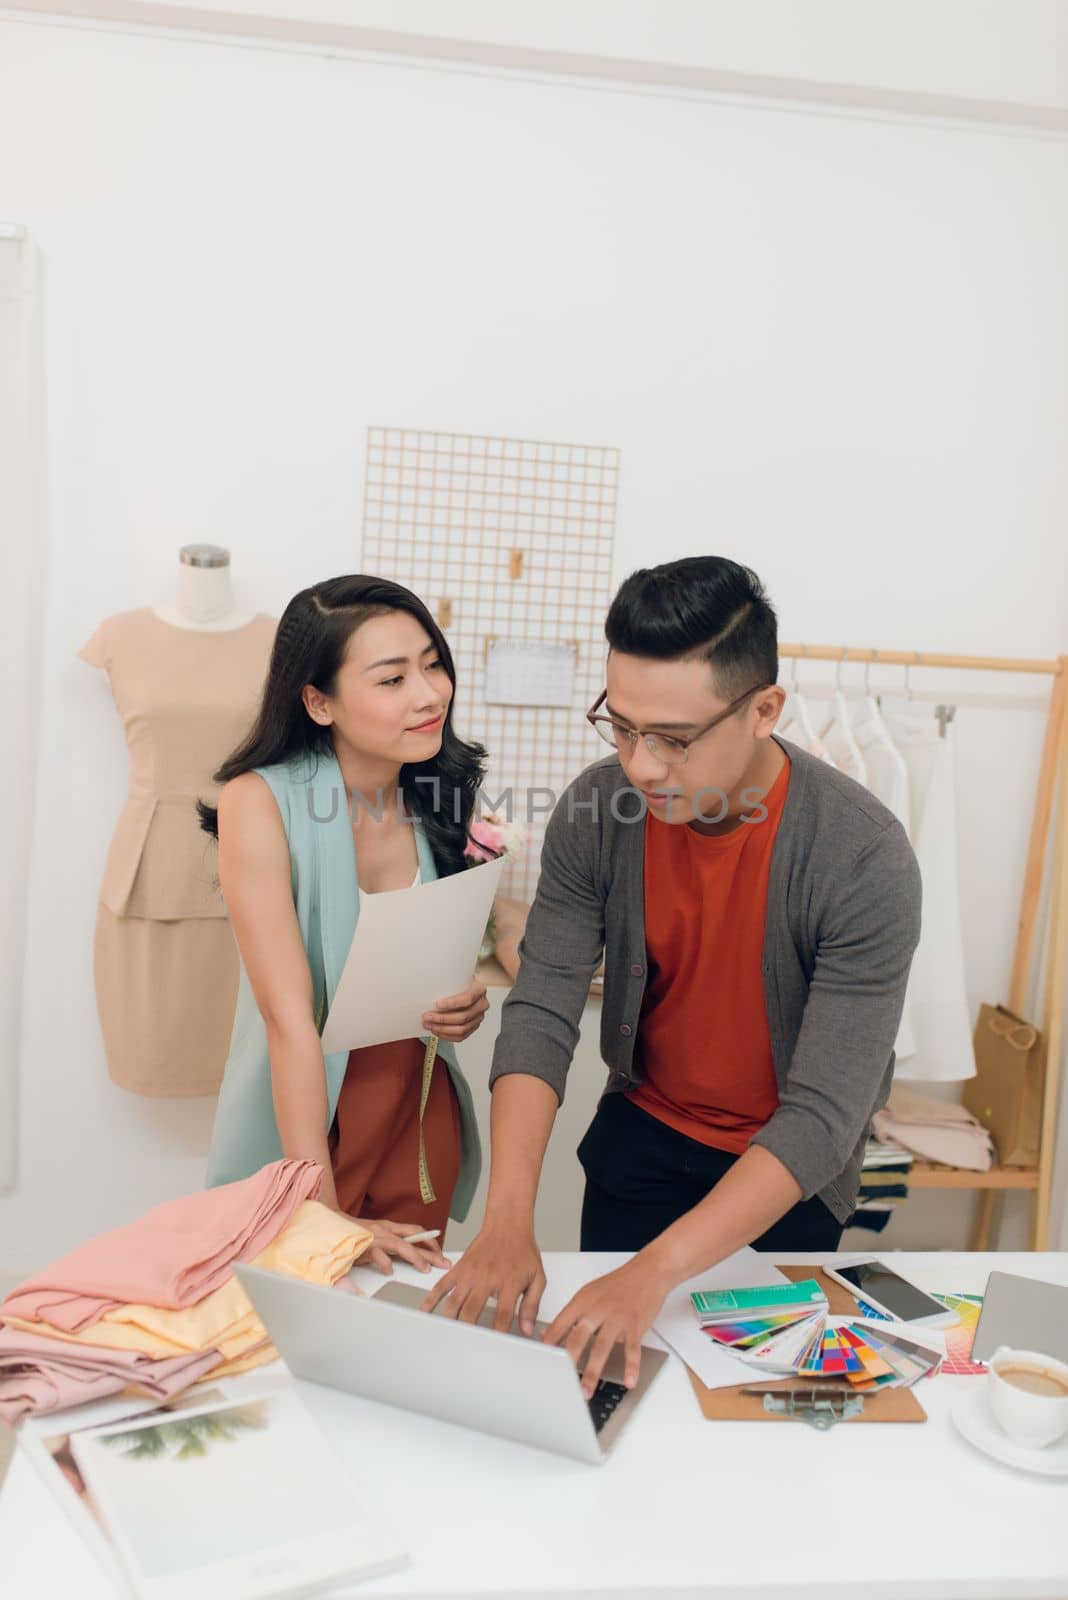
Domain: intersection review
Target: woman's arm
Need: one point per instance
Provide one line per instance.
(510, 919)
(254, 874)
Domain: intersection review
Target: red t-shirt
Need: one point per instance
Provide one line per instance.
(703, 1042)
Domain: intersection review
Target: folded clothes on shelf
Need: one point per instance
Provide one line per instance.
(935, 1130)
(883, 1184)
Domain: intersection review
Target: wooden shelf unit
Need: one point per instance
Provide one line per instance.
(931, 1175)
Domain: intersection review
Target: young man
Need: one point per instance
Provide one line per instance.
(758, 912)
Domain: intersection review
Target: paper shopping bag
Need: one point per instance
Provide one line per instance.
(1006, 1092)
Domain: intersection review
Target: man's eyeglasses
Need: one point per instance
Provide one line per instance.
(672, 752)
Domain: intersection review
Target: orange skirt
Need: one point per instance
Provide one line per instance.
(374, 1141)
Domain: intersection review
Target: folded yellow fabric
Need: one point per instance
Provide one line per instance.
(260, 1356)
(223, 1321)
(316, 1245)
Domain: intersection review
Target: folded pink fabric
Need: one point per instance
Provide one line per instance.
(936, 1130)
(39, 1375)
(173, 1256)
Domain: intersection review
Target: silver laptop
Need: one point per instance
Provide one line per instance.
(384, 1348)
(1023, 1312)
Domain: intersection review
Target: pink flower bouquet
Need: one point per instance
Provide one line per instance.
(491, 836)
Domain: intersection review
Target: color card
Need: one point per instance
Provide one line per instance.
(959, 1339)
(754, 1329)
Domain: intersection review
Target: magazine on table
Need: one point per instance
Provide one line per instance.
(216, 1497)
(46, 1443)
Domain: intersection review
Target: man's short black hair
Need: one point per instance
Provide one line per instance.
(703, 608)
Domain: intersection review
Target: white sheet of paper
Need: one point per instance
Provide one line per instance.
(411, 947)
(524, 672)
(679, 1328)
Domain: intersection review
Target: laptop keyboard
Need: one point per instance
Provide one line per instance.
(603, 1402)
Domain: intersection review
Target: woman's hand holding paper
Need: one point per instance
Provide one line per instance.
(460, 1015)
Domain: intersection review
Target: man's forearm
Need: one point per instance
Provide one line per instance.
(522, 1112)
(755, 1192)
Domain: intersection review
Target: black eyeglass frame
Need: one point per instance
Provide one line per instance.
(638, 733)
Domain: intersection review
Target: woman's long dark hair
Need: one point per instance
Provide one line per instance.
(309, 647)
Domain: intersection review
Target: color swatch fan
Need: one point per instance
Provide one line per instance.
(784, 1328)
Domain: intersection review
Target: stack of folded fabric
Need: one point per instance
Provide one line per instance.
(155, 1307)
(935, 1130)
(883, 1184)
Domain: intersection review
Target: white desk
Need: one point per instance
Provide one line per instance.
(683, 1506)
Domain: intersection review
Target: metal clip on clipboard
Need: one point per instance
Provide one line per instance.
(820, 1408)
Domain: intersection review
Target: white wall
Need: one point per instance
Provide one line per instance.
(833, 347)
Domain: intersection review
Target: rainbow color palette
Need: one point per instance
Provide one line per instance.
(781, 1338)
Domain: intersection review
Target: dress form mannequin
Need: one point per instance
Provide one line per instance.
(186, 678)
(203, 596)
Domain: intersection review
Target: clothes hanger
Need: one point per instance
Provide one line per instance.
(839, 720)
(873, 705)
(796, 711)
(944, 714)
(879, 747)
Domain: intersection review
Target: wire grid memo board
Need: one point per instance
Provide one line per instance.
(507, 539)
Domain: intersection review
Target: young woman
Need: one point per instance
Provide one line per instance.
(351, 782)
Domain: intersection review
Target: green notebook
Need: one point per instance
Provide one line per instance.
(771, 1297)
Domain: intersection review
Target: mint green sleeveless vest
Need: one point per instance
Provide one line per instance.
(314, 805)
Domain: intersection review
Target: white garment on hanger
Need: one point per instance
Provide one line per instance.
(838, 740)
(796, 725)
(888, 773)
(888, 780)
(937, 987)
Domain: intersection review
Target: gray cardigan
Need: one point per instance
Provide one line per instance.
(843, 921)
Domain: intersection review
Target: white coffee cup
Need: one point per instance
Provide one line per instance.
(1029, 1395)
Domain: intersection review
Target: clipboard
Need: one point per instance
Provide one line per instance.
(733, 1405)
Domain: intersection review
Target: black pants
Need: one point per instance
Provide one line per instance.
(641, 1176)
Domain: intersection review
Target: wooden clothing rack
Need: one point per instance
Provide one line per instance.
(1053, 777)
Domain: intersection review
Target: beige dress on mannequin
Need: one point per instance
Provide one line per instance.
(164, 956)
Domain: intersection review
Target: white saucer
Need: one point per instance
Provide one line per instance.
(971, 1414)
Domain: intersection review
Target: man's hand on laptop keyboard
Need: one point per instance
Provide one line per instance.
(502, 1263)
(615, 1309)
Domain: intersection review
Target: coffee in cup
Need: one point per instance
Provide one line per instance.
(1029, 1396)
(1035, 1380)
